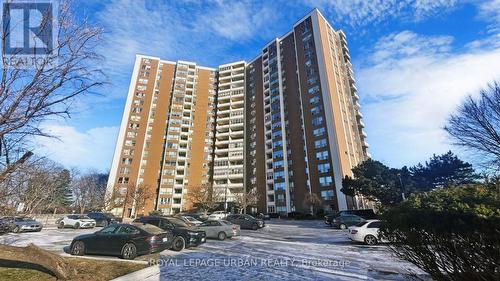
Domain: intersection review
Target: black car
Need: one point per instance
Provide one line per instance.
(103, 219)
(246, 221)
(185, 236)
(343, 222)
(329, 218)
(124, 240)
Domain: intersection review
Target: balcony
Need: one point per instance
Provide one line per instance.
(355, 96)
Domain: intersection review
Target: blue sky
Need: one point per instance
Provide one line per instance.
(414, 62)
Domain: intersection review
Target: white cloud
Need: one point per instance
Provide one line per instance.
(236, 20)
(358, 13)
(89, 149)
(490, 11)
(410, 89)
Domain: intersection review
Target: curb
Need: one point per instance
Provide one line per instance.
(150, 273)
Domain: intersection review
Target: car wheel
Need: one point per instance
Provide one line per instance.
(78, 248)
(343, 226)
(77, 225)
(104, 223)
(255, 227)
(61, 225)
(129, 251)
(370, 240)
(178, 244)
(16, 229)
(222, 236)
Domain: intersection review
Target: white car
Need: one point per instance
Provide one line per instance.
(190, 220)
(366, 232)
(76, 221)
(220, 229)
(217, 215)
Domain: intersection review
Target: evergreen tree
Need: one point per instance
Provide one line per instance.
(442, 171)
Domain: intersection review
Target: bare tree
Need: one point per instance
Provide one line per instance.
(88, 191)
(40, 185)
(140, 197)
(313, 201)
(476, 124)
(244, 200)
(30, 96)
(131, 196)
(205, 197)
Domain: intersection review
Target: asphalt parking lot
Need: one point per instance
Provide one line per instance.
(291, 250)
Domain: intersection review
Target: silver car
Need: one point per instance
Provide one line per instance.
(24, 224)
(220, 229)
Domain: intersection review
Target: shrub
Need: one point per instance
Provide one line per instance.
(452, 234)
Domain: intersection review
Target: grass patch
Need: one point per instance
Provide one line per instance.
(23, 274)
(87, 269)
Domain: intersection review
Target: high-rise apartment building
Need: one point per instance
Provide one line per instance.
(287, 123)
(230, 130)
(165, 142)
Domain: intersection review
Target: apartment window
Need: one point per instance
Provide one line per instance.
(320, 143)
(315, 100)
(167, 181)
(322, 155)
(278, 154)
(277, 143)
(276, 116)
(312, 80)
(277, 134)
(319, 132)
(324, 168)
(164, 201)
(313, 90)
(317, 121)
(325, 181)
(125, 170)
(278, 175)
(327, 194)
(123, 180)
(278, 164)
(141, 87)
(316, 110)
(279, 186)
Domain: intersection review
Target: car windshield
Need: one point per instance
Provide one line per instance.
(189, 218)
(82, 217)
(248, 217)
(149, 228)
(361, 223)
(177, 222)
